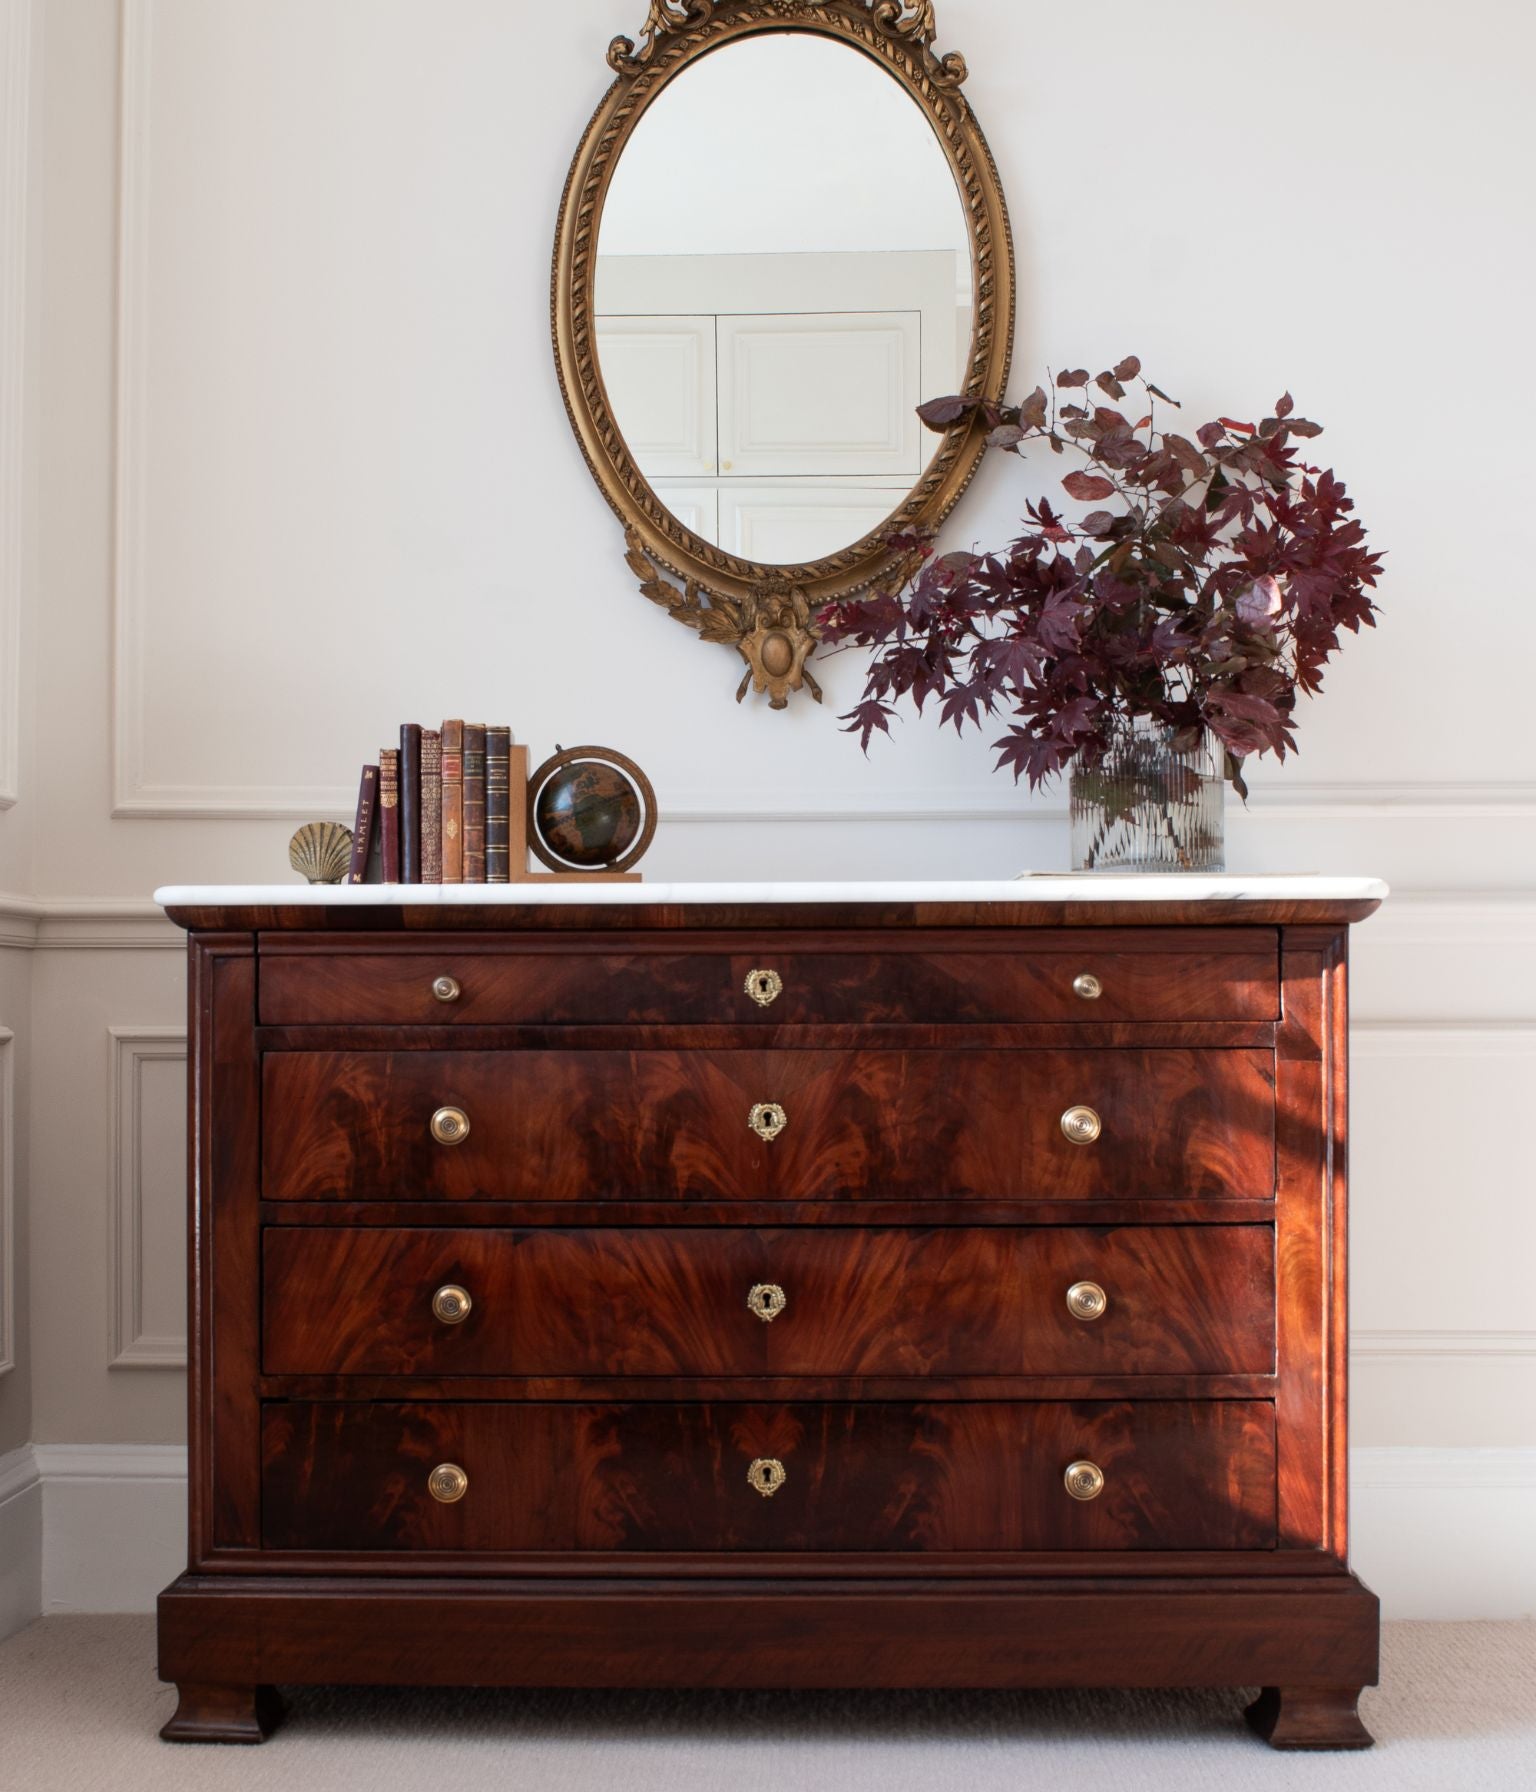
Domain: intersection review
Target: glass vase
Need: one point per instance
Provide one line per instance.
(1147, 806)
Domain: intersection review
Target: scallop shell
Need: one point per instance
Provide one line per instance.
(321, 851)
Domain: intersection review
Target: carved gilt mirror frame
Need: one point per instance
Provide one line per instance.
(768, 613)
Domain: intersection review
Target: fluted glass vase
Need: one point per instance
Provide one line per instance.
(1147, 806)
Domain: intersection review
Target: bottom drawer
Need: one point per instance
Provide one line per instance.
(984, 1475)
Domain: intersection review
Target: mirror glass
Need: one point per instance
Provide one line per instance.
(783, 276)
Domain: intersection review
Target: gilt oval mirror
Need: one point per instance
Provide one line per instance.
(782, 233)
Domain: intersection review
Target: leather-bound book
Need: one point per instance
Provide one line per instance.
(362, 827)
(498, 796)
(474, 802)
(517, 820)
(431, 806)
(453, 802)
(410, 802)
(389, 812)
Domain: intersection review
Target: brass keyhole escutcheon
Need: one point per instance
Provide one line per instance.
(767, 1300)
(1081, 1125)
(767, 1120)
(1087, 986)
(1087, 1300)
(447, 1483)
(767, 1475)
(446, 989)
(1085, 1480)
(450, 1126)
(451, 1304)
(764, 987)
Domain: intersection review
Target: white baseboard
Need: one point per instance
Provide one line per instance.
(1438, 1533)
(1445, 1533)
(114, 1524)
(21, 1541)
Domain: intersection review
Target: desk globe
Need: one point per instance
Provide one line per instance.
(590, 809)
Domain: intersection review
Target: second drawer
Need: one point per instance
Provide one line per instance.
(769, 1125)
(737, 1301)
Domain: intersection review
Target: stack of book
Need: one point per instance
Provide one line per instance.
(447, 806)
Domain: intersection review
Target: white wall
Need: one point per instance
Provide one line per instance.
(301, 468)
(20, 286)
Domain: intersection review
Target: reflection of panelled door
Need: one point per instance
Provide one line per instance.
(785, 428)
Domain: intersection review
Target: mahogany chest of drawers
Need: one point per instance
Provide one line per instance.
(855, 1293)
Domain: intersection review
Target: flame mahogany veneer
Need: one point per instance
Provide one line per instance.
(906, 1420)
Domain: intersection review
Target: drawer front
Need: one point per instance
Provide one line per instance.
(680, 1301)
(977, 1476)
(658, 1125)
(1222, 975)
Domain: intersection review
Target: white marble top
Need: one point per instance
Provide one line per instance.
(1103, 887)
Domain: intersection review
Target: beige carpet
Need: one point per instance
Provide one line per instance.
(79, 1707)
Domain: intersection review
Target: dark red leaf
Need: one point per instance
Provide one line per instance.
(1087, 486)
(1034, 410)
(1209, 434)
(1007, 435)
(1158, 392)
(939, 413)
(1299, 426)
(1128, 368)
(1285, 405)
(1075, 376)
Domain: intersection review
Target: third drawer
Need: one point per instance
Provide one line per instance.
(981, 1475)
(737, 1301)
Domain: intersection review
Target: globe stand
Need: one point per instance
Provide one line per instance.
(524, 830)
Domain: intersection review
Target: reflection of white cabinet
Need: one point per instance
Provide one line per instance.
(783, 522)
(660, 376)
(771, 400)
(823, 392)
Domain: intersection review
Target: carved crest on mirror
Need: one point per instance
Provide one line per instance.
(746, 399)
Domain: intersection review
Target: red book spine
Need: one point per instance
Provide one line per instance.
(431, 806)
(453, 802)
(389, 811)
(474, 802)
(410, 802)
(362, 828)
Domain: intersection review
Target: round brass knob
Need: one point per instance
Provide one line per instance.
(451, 1304)
(446, 989)
(764, 987)
(1087, 986)
(1081, 1125)
(447, 1483)
(450, 1126)
(767, 1300)
(1085, 1480)
(1086, 1300)
(767, 1475)
(767, 1119)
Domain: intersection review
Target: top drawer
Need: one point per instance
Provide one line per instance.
(1082, 974)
